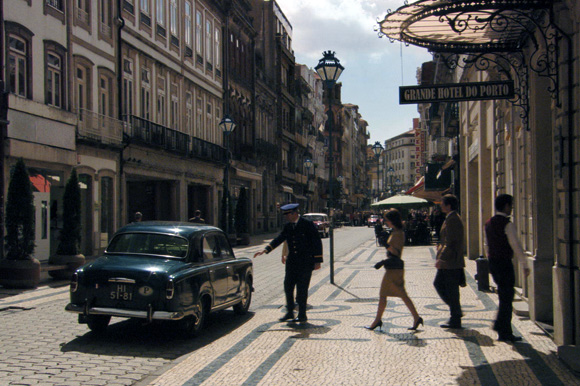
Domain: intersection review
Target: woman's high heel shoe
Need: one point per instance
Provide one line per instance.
(416, 325)
(379, 325)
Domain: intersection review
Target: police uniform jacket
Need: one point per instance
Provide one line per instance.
(304, 244)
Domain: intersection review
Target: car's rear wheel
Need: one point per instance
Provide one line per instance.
(98, 323)
(242, 307)
(192, 325)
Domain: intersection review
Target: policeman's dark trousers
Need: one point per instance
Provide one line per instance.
(505, 278)
(299, 278)
(446, 284)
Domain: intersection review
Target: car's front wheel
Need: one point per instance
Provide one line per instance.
(242, 307)
(98, 323)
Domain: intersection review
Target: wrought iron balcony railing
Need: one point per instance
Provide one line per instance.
(152, 134)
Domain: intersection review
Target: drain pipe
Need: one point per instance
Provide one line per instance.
(121, 25)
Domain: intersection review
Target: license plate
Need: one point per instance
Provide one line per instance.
(121, 292)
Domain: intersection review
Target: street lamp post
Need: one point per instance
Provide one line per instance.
(378, 150)
(329, 70)
(227, 125)
(307, 166)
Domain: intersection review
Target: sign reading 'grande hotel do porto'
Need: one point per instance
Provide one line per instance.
(456, 92)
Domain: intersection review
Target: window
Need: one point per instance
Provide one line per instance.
(145, 7)
(54, 80)
(217, 51)
(188, 113)
(83, 78)
(18, 65)
(199, 118)
(145, 94)
(161, 118)
(161, 12)
(105, 20)
(208, 43)
(173, 17)
(105, 96)
(57, 4)
(82, 12)
(128, 83)
(188, 24)
(174, 107)
(198, 35)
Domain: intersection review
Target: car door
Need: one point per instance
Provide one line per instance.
(232, 266)
(217, 267)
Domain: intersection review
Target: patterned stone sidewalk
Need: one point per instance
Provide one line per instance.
(335, 348)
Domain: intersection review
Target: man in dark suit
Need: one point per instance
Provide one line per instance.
(450, 262)
(197, 217)
(304, 256)
(502, 244)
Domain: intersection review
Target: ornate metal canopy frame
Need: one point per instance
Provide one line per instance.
(507, 38)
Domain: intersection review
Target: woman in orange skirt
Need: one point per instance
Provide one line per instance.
(393, 283)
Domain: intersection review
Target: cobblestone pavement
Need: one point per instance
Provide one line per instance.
(42, 345)
(335, 348)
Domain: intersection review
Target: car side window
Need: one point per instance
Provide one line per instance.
(226, 250)
(211, 249)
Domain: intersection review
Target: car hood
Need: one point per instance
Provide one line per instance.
(133, 267)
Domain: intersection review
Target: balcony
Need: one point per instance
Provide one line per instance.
(150, 134)
(207, 151)
(97, 128)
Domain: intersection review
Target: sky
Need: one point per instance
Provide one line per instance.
(375, 68)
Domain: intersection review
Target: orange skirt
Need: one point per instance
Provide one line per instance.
(393, 283)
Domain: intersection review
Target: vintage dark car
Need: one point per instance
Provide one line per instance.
(162, 271)
(321, 222)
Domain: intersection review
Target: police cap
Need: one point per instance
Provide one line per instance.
(289, 208)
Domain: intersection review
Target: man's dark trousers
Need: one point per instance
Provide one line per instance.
(502, 272)
(447, 282)
(297, 276)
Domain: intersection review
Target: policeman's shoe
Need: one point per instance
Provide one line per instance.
(509, 338)
(288, 316)
(452, 324)
(302, 318)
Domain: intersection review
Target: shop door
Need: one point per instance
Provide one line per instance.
(42, 226)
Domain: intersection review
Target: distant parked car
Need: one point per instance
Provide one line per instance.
(372, 220)
(321, 222)
(162, 271)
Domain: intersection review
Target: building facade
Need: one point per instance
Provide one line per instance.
(525, 145)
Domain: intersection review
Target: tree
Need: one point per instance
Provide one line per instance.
(20, 215)
(70, 236)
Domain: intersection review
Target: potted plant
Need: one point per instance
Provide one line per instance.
(241, 218)
(68, 257)
(19, 269)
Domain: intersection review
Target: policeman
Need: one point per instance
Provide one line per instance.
(305, 255)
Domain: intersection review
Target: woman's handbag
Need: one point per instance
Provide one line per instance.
(391, 262)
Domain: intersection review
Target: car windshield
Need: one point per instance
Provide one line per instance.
(313, 217)
(149, 244)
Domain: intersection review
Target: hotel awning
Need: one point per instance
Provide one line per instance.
(465, 26)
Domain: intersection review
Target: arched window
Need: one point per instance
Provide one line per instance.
(19, 59)
(54, 69)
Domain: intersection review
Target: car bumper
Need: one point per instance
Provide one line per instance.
(149, 314)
